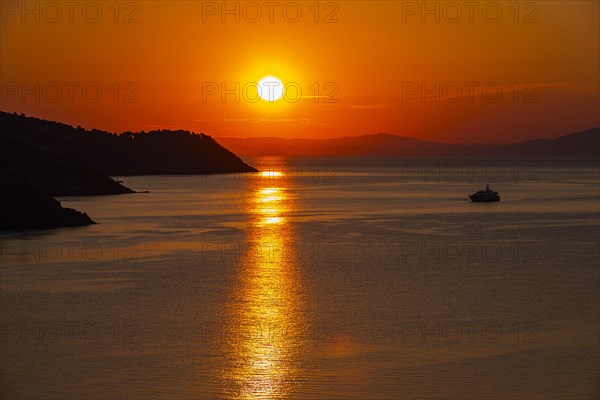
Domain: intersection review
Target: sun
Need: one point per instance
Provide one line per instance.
(270, 88)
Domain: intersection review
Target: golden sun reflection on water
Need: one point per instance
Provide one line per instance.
(270, 174)
(266, 312)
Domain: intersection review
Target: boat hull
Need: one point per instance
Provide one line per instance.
(476, 199)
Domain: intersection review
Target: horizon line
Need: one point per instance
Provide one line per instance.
(216, 137)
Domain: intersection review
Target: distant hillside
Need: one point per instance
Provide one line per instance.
(576, 144)
(49, 173)
(141, 153)
(584, 143)
(29, 176)
(381, 144)
(40, 159)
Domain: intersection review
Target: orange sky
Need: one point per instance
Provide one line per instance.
(375, 55)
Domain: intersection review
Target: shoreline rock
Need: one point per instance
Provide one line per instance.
(25, 207)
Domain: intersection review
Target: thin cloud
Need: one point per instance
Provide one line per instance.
(371, 106)
(299, 121)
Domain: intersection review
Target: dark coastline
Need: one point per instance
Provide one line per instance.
(42, 159)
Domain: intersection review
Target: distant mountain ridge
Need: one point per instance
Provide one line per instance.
(584, 143)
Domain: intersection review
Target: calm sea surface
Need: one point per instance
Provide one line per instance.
(316, 279)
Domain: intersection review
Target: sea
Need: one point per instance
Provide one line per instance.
(316, 278)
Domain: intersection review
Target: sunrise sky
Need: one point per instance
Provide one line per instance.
(349, 67)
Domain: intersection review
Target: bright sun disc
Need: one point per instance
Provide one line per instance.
(270, 88)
